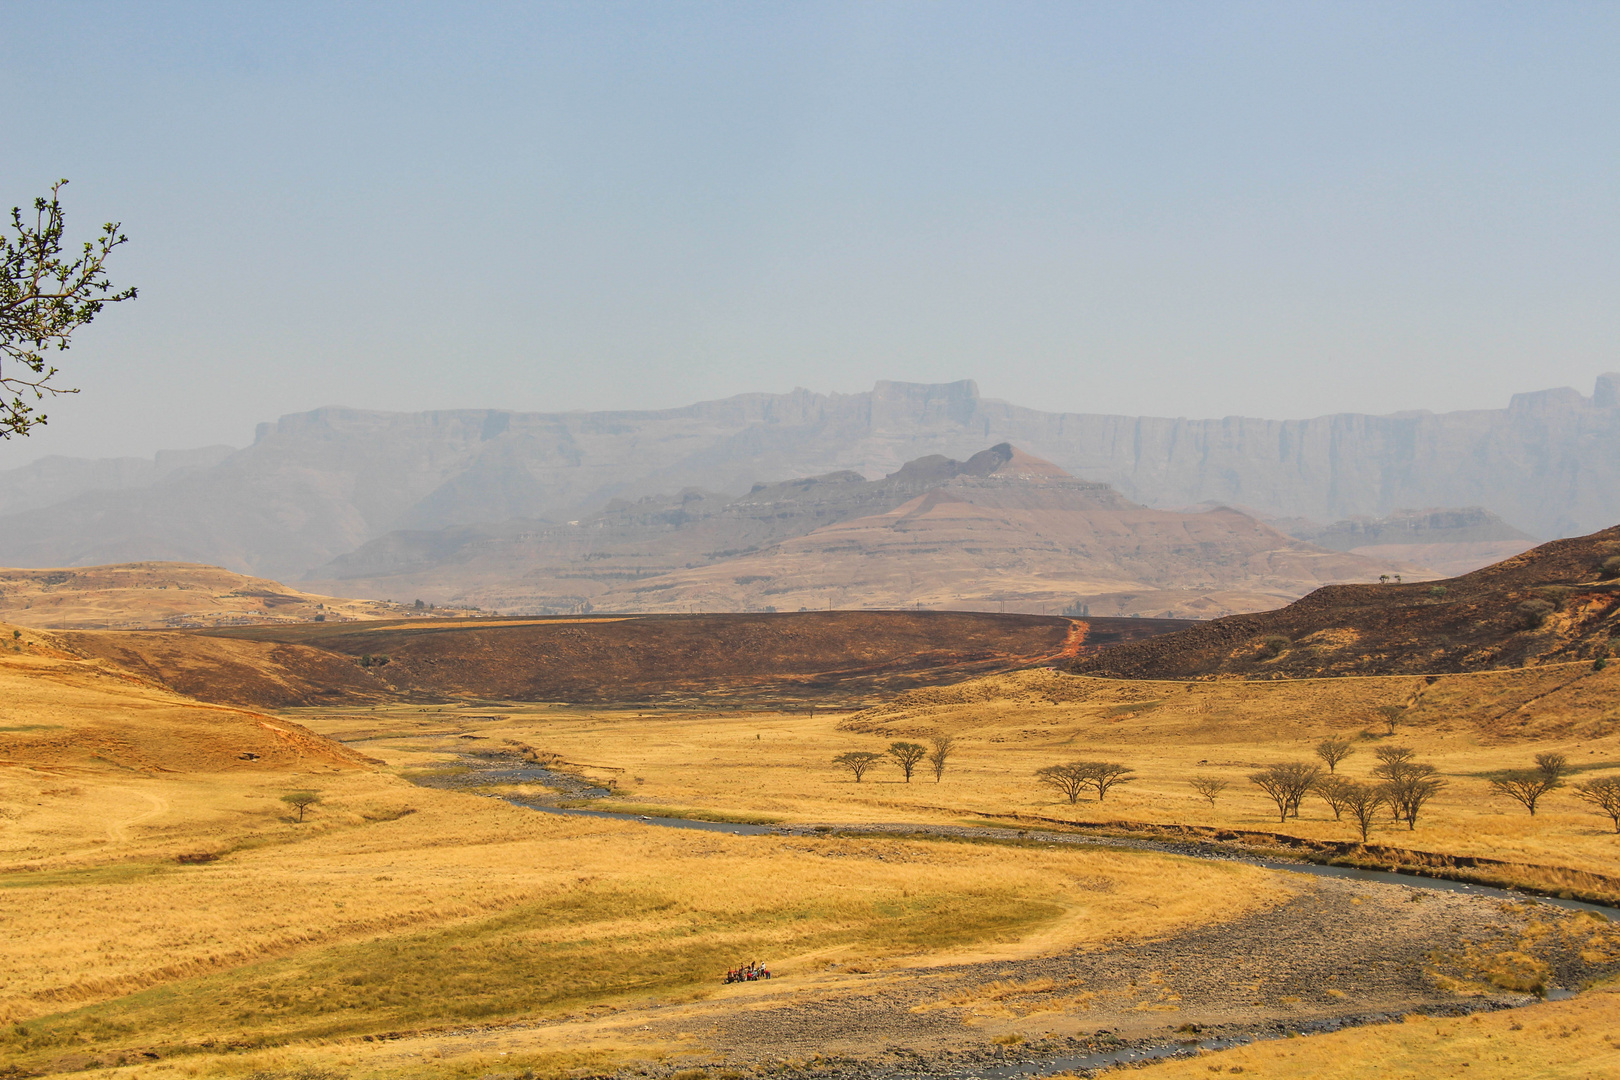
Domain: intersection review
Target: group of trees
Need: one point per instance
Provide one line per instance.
(1400, 783)
(1074, 777)
(1527, 786)
(1404, 785)
(907, 755)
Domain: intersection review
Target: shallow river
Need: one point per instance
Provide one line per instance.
(1123, 1055)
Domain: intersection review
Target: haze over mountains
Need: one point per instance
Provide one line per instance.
(1002, 528)
(315, 487)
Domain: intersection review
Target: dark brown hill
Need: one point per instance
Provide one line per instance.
(808, 655)
(1553, 603)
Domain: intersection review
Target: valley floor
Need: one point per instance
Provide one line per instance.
(163, 922)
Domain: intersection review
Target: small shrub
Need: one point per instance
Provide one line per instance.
(1272, 646)
(1532, 614)
(1437, 591)
(1610, 568)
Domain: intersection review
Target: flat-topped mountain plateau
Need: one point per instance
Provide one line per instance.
(316, 486)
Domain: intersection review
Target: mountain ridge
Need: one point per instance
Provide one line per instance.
(317, 485)
(1003, 527)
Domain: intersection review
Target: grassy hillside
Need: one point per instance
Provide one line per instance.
(1552, 604)
(826, 657)
(126, 596)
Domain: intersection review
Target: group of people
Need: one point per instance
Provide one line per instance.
(750, 972)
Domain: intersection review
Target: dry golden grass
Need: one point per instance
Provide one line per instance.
(778, 765)
(1577, 1040)
(369, 918)
(126, 596)
(406, 907)
(58, 710)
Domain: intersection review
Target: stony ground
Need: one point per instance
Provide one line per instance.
(1341, 953)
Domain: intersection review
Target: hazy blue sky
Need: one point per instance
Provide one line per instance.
(1178, 209)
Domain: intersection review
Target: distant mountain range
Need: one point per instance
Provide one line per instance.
(317, 486)
(1002, 529)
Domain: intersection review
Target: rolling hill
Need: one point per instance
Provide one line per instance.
(826, 657)
(158, 594)
(1003, 529)
(63, 709)
(1555, 603)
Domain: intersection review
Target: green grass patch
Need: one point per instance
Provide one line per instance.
(78, 877)
(1139, 706)
(513, 964)
(32, 727)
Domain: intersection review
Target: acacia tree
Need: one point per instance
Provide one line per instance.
(1103, 775)
(1362, 800)
(44, 297)
(301, 800)
(1552, 766)
(1071, 778)
(939, 752)
(1603, 793)
(1287, 784)
(857, 762)
(1331, 790)
(1527, 786)
(1333, 751)
(1208, 787)
(907, 755)
(1408, 791)
(1408, 784)
(1392, 715)
(1392, 763)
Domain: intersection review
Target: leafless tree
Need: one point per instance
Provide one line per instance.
(1408, 784)
(1331, 790)
(1287, 784)
(907, 755)
(1362, 800)
(857, 762)
(940, 747)
(1208, 787)
(1553, 766)
(1333, 751)
(1526, 786)
(1392, 715)
(1103, 775)
(1603, 793)
(1071, 779)
(1410, 788)
(301, 800)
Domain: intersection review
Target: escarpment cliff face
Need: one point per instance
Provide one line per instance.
(318, 485)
